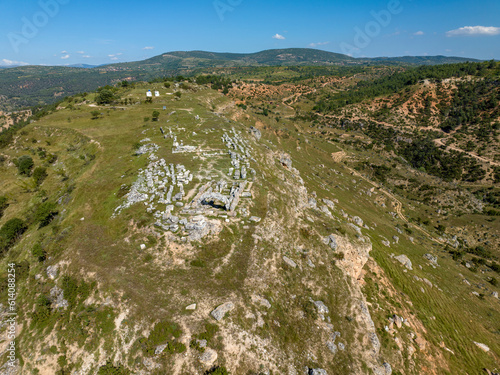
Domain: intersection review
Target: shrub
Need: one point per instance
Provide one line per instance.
(110, 369)
(39, 175)
(44, 213)
(25, 165)
(43, 310)
(198, 263)
(70, 289)
(95, 114)
(495, 267)
(479, 251)
(3, 205)
(162, 332)
(217, 371)
(10, 232)
(38, 252)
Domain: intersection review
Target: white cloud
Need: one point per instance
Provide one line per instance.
(279, 37)
(65, 57)
(80, 52)
(63, 52)
(318, 44)
(6, 62)
(86, 56)
(418, 33)
(114, 58)
(474, 31)
(148, 48)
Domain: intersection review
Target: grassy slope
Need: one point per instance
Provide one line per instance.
(106, 250)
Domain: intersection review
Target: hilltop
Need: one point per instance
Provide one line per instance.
(271, 220)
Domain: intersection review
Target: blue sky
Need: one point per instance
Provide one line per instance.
(64, 32)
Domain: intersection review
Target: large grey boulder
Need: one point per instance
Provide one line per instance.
(290, 262)
(255, 132)
(388, 368)
(405, 261)
(358, 220)
(221, 310)
(52, 271)
(331, 240)
(208, 357)
(431, 258)
(57, 297)
(322, 308)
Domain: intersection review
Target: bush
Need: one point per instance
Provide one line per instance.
(39, 175)
(38, 252)
(10, 232)
(25, 165)
(493, 281)
(43, 310)
(44, 213)
(109, 369)
(217, 371)
(161, 333)
(495, 267)
(198, 263)
(479, 251)
(95, 114)
(3, 205)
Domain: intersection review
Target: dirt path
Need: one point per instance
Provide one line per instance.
(397, 204)
(439, 142)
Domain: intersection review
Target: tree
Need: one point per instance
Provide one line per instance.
(178, 94)
(25, 165)
(95, 115)
(104, 96)
(156, 115)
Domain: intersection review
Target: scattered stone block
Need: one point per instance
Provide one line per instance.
(219, 313)
(208, 357)
(290, 262)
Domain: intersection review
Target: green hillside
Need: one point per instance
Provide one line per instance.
(251, 227)
(32, 85)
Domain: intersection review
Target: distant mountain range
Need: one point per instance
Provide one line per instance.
(31, 85)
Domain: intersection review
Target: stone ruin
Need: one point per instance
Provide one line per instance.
(161, 187)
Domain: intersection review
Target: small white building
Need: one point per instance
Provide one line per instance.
(157, 93)
(149, 94)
